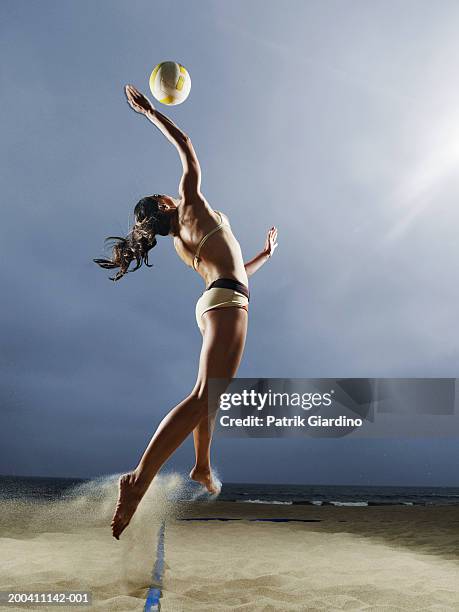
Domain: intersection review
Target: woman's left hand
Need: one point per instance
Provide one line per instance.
(137, 101)
(271, 241)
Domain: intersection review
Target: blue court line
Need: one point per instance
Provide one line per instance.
(152, 603)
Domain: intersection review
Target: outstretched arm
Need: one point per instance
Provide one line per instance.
(270, 246)
(191, 178)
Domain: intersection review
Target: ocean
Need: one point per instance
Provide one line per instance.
(43, 488)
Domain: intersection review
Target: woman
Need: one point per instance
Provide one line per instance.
(204, 241)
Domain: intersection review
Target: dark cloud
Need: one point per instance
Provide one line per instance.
(320, 128)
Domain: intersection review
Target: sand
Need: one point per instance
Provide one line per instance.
(360, 558)
(68, 546)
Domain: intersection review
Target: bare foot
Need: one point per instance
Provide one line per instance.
(206, 479)
(128, 500)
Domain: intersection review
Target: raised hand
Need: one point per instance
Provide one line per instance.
(271, 241)
(137, 101)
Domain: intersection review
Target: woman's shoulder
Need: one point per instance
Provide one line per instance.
(223, 216)
(203, 214)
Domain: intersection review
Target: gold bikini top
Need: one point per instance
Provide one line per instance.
(223, 221)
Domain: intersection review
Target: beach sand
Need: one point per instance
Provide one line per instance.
(358, 558)
(352, 558)
(67, 545)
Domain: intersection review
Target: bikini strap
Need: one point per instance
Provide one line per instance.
(208, 235)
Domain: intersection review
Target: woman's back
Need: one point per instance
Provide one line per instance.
(214, 253)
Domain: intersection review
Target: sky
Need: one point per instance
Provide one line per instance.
(336, 122)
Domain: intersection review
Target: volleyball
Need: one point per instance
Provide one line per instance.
(170, 83)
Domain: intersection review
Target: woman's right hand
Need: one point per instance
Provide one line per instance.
(271, 242)
(137, 101)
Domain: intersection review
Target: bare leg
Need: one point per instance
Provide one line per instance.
(222, 348)
(202, 471)
(202, 437)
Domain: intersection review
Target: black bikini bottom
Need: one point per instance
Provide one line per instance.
(230, 283)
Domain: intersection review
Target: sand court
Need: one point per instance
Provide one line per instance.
(68, 546)
(248, 557)
(350, 559)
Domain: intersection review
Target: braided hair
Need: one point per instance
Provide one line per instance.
(149, 221)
